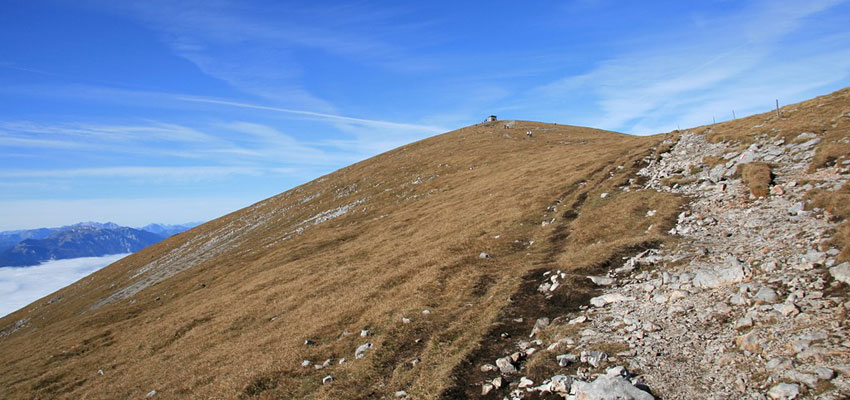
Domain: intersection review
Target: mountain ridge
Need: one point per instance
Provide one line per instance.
(84, 239)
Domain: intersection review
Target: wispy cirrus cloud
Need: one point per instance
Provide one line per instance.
(324, 116)
(181, 173)
(239, 44)
(150, 131)
(660, 82)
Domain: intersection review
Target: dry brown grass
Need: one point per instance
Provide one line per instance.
(677, 180)
(826, 116)
(757, 177)
(842, 241)
(607, 227)
(712, 161)
(836, 203)
(830, 154)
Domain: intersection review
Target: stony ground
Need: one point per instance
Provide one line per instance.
(749, 304)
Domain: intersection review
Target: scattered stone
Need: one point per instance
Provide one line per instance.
(525, 382)
(824, 373)
(401, 394)
(577, 320)
(306, 363)
(608, 299)
(309, 342)
(784, 391)
(566, 359)
(484, 255)
(539, 325)
(405, 320)
(601, 280)
(486, 388)
(561, 384)
(715, 278)
(327, 379)
(497, 382)
(488, 368)
(609, 388)
(766, 295)
(365, 332)
(739, 300)
(749, 342)
(150, 394)
(505, 365)
(593, 357)
(786, 309)
(744, 323)
(677, 294)
(361, 350)
(810, 380)
(841, 272)
(603, 195)
(779, 363)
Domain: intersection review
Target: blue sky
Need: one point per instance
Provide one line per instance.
(136, 112)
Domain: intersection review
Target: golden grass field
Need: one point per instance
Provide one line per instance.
(233, 323)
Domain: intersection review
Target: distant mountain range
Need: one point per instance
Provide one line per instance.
(85, 239)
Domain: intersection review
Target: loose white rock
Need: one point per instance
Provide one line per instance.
(601, 280)
(361, 350)
(609, 298)
(609, 388)
(841, 272)
(714, 278)
(784, 391)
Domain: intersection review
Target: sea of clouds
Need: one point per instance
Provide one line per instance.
(20, 286)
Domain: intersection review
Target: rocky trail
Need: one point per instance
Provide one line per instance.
(749, 303)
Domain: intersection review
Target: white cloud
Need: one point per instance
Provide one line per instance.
(175, 173)
(20, 286)
(745, 61)
(332, 117)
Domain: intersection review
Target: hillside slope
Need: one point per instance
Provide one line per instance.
(447, 252)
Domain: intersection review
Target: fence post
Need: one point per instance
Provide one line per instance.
(777, 107)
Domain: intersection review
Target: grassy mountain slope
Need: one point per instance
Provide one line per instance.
(260, 281)
(223, 310)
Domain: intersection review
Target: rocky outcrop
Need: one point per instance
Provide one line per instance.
(750, 303)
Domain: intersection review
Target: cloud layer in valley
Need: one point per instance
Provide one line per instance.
(20, 286)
